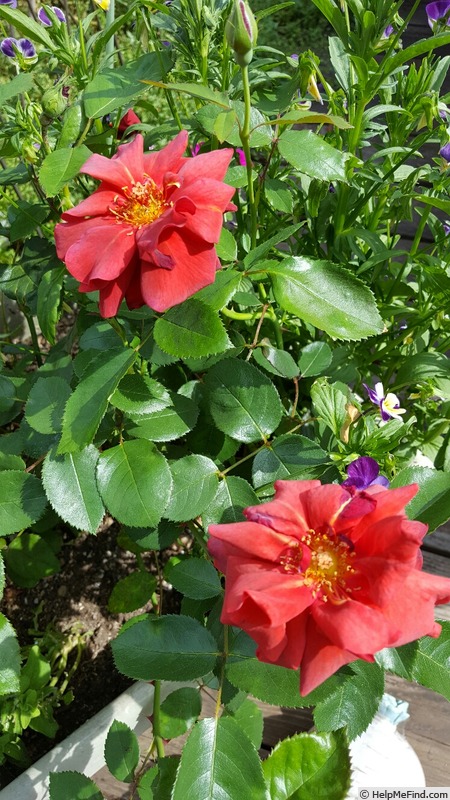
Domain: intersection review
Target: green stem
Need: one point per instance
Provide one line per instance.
(229, 312)
(109, 48)
(245, 139)
(157, 720)
(34, 339)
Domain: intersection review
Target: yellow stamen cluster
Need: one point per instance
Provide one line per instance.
(143, 203)
(328, 568)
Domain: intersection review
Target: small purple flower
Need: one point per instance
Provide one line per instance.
(45, 19)
(445, 152)
(241, 157)
(12, 3)
(364, 472)
(438, 12)
(387, 32)
(446, 227)
(389, 404)
(12, 48)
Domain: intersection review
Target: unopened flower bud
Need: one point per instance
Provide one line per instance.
(53, 102)
(241, 32)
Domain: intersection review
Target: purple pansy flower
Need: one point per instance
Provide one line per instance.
(45, 19)
(437, 12)
(389, 404)
(12, 48)
(446, 227)
(445, 152)
(364, 472)
(12, 3)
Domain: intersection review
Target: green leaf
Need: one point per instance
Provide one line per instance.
(277, 362)
(99, 336)
(362, 690)
(279, 195)
(121, 751)
(191, 330)
(232, 496)
(88, 403)
(195, 578)
(426, 367)
(224, 124)
(431, 662)
(139, 396)
(159, 539)
(27, 26)
(27, 217)
(132, 592)
(134, 481)
(12, 175)
(314, 359)
(59, 166)
(112, 88)
(7, 394)
(256, 254)
(168, 423)
(432, 502)
(22, 501)
(310, 154)
(226, 249)
(29, 558)
(330, 403)
(46, 402)
(179, 711)
(11, 462)
(194, 486)
(309, 766)
(49, 300)
(427, 45)
(268, 682)
(196, 90)
(73, 786)
(146, 783)
(22, 82)
(250, 719)
(218, 294)
(288, 456)
(9, 658)
(171, 648)
(243, 402)
(326, 296)
(219, 761)
(70, 485)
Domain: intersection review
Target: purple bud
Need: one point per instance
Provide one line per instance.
(12, 3)
(387, 32)
(241, 157)
(445, 152)
(446, 227)
(45, 19)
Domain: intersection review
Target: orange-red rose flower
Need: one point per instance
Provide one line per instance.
(323, 575)
(147, 233)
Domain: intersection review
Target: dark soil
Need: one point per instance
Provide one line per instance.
(76, 596)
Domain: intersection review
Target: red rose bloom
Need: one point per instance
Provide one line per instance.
(323, 575)
(147, 233)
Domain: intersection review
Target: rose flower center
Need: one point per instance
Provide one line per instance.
(324, 561)
(141, 204)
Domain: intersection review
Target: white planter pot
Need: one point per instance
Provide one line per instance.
(83, 750)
